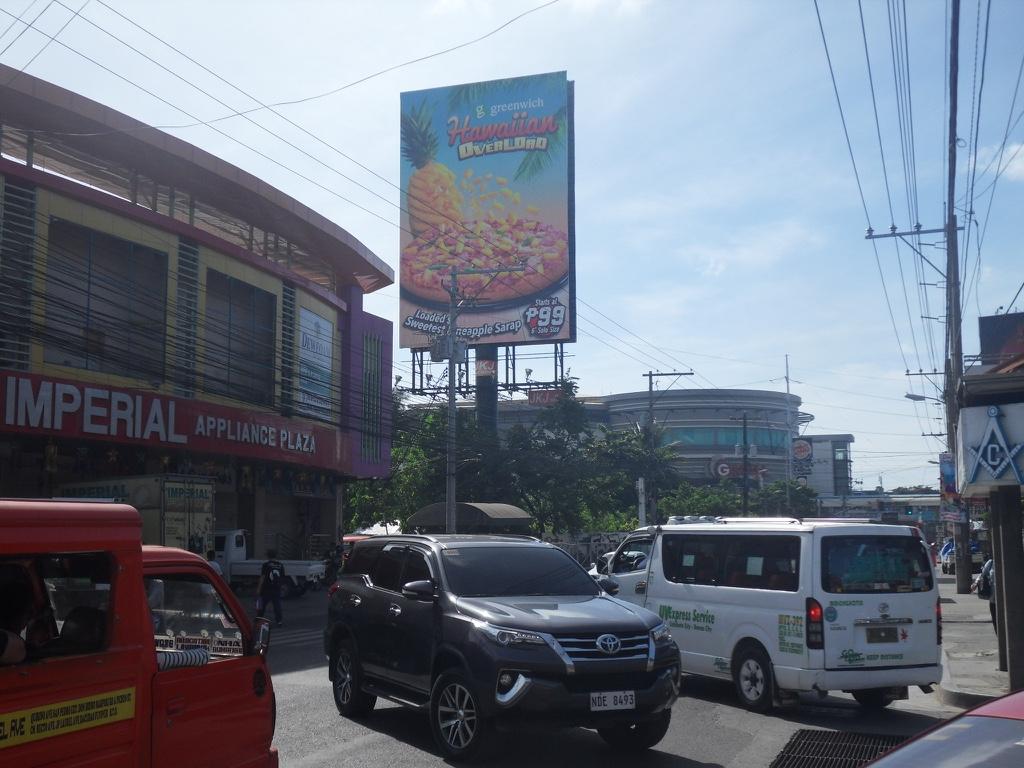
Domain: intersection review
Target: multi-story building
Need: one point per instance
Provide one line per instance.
(706, 428)
(163, 312)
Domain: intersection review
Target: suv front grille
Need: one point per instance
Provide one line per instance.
(584, 647)
(623, 681)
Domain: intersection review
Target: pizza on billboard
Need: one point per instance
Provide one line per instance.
(486, 183)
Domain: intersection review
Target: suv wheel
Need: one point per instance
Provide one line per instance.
(349, 697)
(455, 720)
(637, 737)
(753, 678)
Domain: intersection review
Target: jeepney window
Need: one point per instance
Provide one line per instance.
(58, 603)
(188, 614)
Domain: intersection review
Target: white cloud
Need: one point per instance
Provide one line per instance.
(754, 249)
(1015, 167)
(618, 6)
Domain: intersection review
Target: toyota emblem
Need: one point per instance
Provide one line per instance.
(883, 608)
(609, 644)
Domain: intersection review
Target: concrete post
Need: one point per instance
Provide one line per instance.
(1010, 575)
(996, 542)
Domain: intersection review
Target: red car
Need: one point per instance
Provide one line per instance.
(991, 735)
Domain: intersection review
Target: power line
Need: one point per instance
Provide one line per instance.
(264, 155)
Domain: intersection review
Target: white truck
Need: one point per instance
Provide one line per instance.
(299, 575)
(176, 510)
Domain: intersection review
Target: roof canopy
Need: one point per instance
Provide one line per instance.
(77, 138)
(471, 518)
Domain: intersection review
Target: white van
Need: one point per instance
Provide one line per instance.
(780, 606)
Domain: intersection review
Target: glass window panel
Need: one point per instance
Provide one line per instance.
(187, 612)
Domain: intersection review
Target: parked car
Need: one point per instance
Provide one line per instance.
(991, 735)
(481, 631)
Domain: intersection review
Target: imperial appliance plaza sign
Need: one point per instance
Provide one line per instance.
(487, 186)
(42, 405)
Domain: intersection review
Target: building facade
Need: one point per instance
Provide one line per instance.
(706, 428)
(163, 312)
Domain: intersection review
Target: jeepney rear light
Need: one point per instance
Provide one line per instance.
(815, 625)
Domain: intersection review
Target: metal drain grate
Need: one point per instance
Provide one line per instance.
(832, 749)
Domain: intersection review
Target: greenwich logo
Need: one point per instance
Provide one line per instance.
(850, 656)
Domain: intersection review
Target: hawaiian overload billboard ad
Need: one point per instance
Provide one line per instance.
(487, 201)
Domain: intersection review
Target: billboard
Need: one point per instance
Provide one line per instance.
(487, 200)
(1001, 337)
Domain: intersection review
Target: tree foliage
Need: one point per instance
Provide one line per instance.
(567, 473)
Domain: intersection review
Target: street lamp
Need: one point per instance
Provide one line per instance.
(922, 398)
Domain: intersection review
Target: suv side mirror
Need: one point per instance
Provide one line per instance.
(608, 584)
(260, 636)
(419, 590)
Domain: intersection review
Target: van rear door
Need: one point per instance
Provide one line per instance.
(879, 599)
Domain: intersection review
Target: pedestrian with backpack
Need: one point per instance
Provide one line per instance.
(269, 587)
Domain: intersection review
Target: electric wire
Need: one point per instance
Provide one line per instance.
(976, 129)
(860, 188)
(262, 127)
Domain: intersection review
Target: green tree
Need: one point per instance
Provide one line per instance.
(720, 500)
(549, 466)
(770, 501)
(417, 470)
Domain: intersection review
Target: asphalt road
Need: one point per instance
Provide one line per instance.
(708, 728)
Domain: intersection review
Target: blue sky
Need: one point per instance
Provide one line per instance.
(719, 224)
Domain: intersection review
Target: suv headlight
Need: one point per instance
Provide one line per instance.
(661, 633)
(508, 637)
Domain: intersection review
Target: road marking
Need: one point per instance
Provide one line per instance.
(296, 637)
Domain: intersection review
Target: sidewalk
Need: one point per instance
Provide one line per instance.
(970, 656)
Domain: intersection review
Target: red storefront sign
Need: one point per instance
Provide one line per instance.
(40, 405)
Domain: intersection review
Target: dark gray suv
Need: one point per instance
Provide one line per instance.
(482, 631)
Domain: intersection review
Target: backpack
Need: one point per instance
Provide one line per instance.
(984, 586)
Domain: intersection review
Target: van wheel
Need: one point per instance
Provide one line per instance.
(349, 697)
(637, 737)
(752, 674)
(873, 698)
(459, 729)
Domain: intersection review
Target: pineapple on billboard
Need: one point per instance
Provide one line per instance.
(487, 200)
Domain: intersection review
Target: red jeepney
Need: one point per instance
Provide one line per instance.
(136, 656)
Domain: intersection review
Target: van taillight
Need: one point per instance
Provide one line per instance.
(938, 621)
(815, 626)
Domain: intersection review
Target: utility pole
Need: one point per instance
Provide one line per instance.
(954, 342)
(746, 452)
(453, 353)
(449, 481)
(789, 443)
(650, 430)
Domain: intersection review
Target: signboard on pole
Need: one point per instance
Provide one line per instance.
(487, 184)
(316, 346)
(950, 508)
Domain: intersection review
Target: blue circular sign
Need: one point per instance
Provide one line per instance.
(831, 614)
